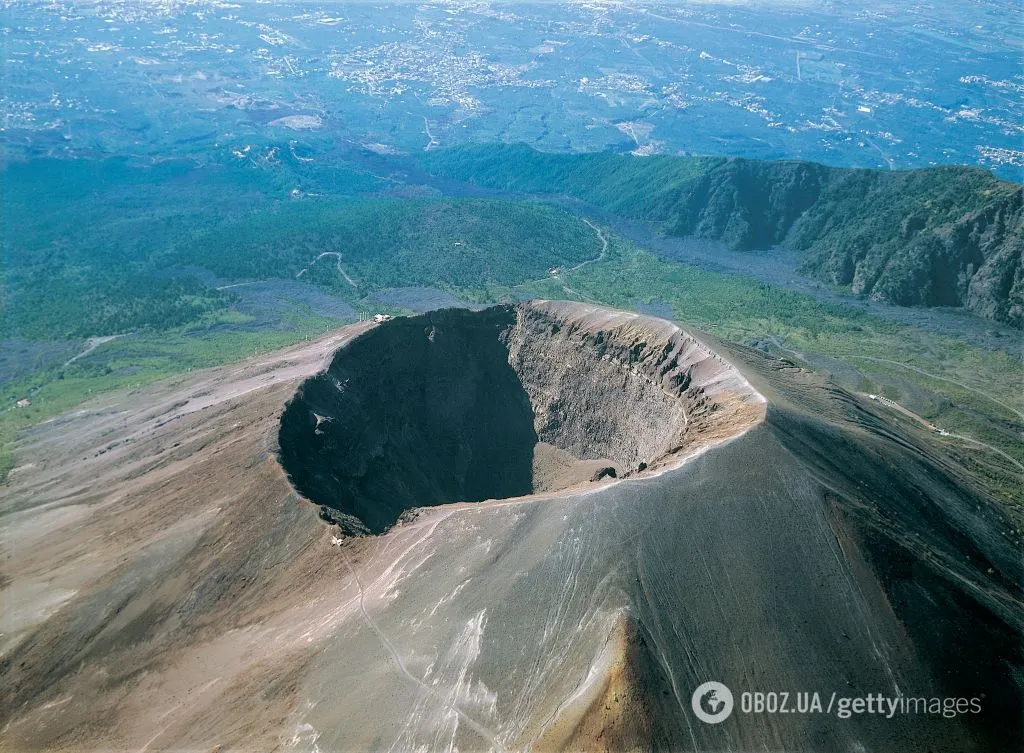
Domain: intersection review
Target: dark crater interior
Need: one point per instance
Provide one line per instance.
(418, 412)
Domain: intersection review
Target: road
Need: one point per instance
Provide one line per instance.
(975, 390)
(910, 414)
(942, 432)
(433, 143)
(90, 345)
(600, 256)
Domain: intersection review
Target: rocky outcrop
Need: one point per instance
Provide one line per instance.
(938, 237)
(949, 236)
(616, 385)
(460, 405)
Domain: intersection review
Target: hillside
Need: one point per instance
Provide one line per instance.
(167, 588)
(948, 236)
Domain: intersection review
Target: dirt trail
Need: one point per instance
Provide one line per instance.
(978, 442)
(485, 733)
(600, 257)
(942, 432)
(915, 417)
(90, 345)
(341, 270)
(236, 285)
(433, 143)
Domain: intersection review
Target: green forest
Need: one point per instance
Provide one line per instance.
(382, 243)
(94, 249)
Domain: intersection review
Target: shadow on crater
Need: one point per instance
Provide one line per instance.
(418, 412)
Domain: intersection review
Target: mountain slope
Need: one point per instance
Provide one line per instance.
(166, 589)
(948, 236)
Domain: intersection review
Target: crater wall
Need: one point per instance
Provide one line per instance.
(464, 406)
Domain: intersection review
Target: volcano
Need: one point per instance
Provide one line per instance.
(540, 526)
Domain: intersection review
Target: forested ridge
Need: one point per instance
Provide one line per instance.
(944, 236)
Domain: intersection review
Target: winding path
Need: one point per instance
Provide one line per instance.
(914, 416)
(90, 345)
(433, 143)
(929, 425)
(978, 442)
(341, 271)
(598, 258)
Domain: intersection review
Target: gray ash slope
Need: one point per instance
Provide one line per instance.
(803, 543)
(818, 549)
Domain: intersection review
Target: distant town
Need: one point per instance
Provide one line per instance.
(847, 88)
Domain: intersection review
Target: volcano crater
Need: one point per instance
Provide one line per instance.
(465, 406)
